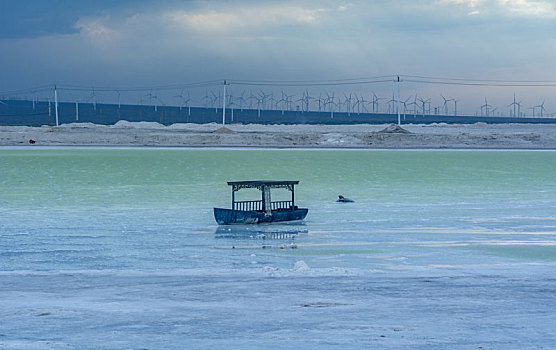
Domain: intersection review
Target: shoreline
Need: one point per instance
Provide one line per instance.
(125, 134)
(260, 148)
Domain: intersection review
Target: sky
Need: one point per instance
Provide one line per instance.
(145, 43)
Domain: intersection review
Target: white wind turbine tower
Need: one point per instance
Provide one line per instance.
(241, 100)
(455, 107)
(518, 105)
(393, 103)
(259, 101)
(251, 98)
(118, 92)
(414, 104)
(156, 100)
(331, 104)
(306, 99)
(348, 103)
(289, 102)
(405, 106)
(282, 101)
(94, 99)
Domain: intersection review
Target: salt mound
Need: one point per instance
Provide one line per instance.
(394, 129)
(301, 266)
(131, 125)
(224, 130)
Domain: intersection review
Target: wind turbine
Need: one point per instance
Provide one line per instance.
(184, 101)
(348, 103)
(486, 106)
(357, 104)
(282, 102)
(424, 105)
(330, 102)
(118, 92)
(241, 100)
(541, 107)
(333, 104)
(258, 105)
(393, 101)
(405, 106)
(320, 100)
(445, 105)
(515, 104)
(181, 97)
(251, 98)
(206, 99)
(414, 104)
(94, 99)
(375, 101)
(215, 100)
(264, 97)
(156, 101)
(364, 104)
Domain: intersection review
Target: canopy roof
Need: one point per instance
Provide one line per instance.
(258, 184)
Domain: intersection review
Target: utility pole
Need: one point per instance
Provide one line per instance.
(224, 105)
(56, 103)
(399, 119)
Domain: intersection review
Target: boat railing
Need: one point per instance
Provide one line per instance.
(280, 205)
(258, 205)
(248, 205)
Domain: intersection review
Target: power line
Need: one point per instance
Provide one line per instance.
(483, 80)
(142, 88)
(367, 82)
(298, 83)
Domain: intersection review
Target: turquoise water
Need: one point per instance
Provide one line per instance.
(118, 248)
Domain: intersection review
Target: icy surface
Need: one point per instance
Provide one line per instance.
(118, 249)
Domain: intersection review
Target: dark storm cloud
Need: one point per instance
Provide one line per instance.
(159, 42)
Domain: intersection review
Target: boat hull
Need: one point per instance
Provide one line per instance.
(231, 217)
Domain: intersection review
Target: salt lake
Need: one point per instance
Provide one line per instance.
(114, 248)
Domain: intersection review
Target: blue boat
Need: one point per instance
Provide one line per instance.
(260, 211)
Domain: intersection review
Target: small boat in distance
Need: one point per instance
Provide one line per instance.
(260, 211)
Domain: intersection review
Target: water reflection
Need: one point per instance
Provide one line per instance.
(260, 232)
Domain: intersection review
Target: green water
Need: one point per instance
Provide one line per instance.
(177, 177)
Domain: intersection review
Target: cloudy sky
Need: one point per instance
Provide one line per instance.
(152, 43)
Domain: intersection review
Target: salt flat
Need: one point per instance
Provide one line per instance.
(434, 136)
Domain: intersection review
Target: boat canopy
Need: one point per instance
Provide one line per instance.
(238, 185)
